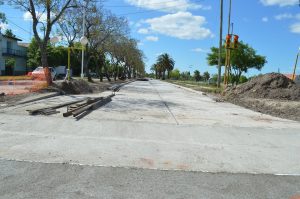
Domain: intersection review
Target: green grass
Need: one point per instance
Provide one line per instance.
(198, 86)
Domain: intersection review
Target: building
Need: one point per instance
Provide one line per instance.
(11, 48)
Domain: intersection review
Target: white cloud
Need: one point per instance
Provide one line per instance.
(295, 28)
(287, 16)
(167, 6)
(3, 26)
(41, 16)
(27, 16)
(182, 25)
(143, 31)
(284, 16)
(152, 38)
(265, 19)
(199, 50)
(280, 3)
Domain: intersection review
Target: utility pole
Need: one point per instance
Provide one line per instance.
(227, 62)
(82, 53)
(220, 44)
(294, 72)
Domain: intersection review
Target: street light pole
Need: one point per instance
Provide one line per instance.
(220, 44)
(82, 53)
(294, 73)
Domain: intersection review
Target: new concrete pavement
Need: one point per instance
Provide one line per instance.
(194, 147)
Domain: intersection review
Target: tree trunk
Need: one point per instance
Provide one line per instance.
(106, 74)
(164, 75)
(115, 74)
(128, 72)
(44, 61)
(101, 73)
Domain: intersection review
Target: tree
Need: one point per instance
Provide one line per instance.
(167, 63)
(242, 59)
(53, 10)
(206, 76)
(185, 75)
(175, 74)
(9, 33)
(33, 55)
(243, 79)
(10, 62)
(2, 15)
(56, 55)
(197, 75)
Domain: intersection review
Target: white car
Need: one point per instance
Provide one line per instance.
(39, 73)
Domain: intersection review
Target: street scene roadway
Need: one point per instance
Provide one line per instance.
(153, 140)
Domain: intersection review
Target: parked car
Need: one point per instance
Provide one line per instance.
(61, 72)
(92, 74)
(39, 73)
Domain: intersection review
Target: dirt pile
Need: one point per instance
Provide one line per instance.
(75, 87)
(268, 86)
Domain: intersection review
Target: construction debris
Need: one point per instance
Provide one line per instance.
(52, 109)
(91, 104)
(2, 97)
(75, 87)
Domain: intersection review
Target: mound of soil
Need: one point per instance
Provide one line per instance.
(75, 87)
(268, 86)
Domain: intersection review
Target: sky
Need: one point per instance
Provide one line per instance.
(187, 29)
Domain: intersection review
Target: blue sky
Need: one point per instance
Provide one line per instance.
(186, 29)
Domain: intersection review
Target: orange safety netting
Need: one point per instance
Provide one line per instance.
(21, 84)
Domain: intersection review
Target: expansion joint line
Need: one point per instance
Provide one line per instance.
(165, 103)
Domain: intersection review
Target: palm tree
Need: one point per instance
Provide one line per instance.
(154, 70)
(166, 62)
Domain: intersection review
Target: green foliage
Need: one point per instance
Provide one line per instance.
(10, 62)
(2, 15)
(242, 59)
(9, 33)
(243, 79)
(175, 74)
(165, 63)
(213, 57)
(197, 76)
(206, 76)
(185, 75)
(214, 78)
(57, 56)
(33, 55)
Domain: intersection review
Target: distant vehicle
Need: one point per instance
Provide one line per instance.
(39, 73)
(212, 81)
(61, 72)
(92, 74)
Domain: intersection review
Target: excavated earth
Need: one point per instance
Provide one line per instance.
(272, 94)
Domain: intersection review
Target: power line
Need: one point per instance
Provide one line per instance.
(18, 26)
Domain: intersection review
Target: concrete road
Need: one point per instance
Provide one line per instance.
(177, 133)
